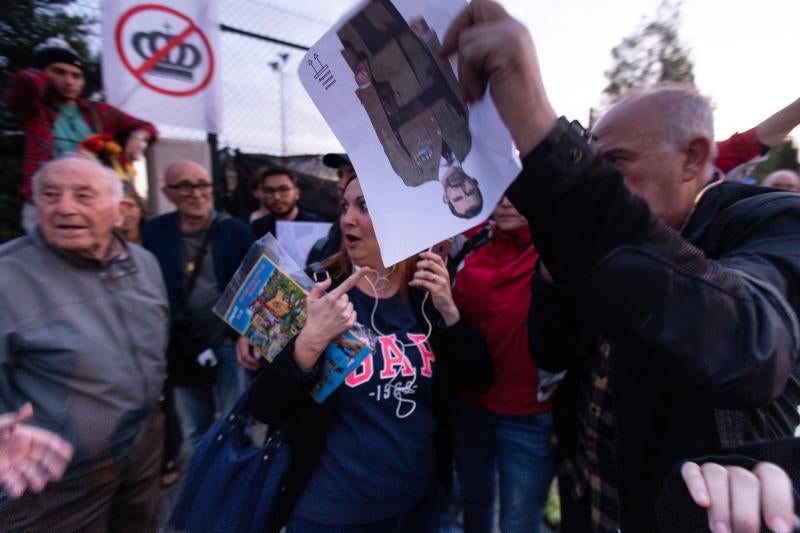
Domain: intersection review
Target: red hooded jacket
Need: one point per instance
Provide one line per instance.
(493, 288)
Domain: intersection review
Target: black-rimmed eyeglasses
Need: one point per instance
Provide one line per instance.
(185, 188)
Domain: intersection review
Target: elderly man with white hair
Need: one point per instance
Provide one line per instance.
(669, 299)
(83, 330)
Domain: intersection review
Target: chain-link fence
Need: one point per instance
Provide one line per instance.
(264, 107)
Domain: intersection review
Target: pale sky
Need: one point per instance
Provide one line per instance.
(745, 56)
(745, 52)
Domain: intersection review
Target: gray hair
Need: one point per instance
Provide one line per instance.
(116, 183)
(687, 114)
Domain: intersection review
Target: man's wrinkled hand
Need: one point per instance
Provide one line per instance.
(30, 457)
(496, 51)
(736, 499)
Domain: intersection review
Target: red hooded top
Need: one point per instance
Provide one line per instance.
(493, 288)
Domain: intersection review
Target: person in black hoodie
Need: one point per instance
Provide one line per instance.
(669, 298)
(367, 458)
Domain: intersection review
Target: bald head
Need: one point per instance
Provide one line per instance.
(176, 171)
(661, 139)
(677, 113)
(785, 179)
(188, 186)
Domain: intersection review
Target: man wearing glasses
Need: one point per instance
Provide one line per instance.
(199, 250)
(279, 195)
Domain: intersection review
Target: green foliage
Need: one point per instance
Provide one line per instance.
(783, 155)
(23, 25)
(653, 54)
(26, 23)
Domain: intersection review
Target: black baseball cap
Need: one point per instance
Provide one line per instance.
(335, 160)
(55, 50)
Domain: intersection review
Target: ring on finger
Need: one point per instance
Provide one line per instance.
(435, 278)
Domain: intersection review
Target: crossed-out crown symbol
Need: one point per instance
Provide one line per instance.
(179, 63)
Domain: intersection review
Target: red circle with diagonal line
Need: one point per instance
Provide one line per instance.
(139, 72)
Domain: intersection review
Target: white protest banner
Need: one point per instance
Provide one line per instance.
(297, 238)
(430, 166)
(161, 61)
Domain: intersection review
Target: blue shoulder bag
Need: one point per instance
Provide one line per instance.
(232, 484)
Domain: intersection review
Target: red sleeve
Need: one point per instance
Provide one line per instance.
(119, 124)
(25, 88)
(737, 149)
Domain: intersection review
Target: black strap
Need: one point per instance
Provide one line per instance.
(201, 253)
(472, 244)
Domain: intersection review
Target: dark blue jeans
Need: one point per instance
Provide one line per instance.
(199, 405)
(511, 452)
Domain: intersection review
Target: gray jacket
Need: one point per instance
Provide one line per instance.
(84, 343)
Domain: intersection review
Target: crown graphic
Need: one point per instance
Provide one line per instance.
(179, 63)
(316, 64)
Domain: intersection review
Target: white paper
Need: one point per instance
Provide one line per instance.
(297, 238)
(407, 95)
(182, 88)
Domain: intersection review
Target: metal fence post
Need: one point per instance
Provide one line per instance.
(216, 172)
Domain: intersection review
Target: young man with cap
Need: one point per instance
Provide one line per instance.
(55, 119)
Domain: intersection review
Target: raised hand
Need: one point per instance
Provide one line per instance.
(432, 276)
(329, 315)
(30, 457)
(496, 50)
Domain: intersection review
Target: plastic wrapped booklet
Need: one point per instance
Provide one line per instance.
(266, 302)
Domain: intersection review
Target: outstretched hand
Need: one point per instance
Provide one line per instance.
(736, 498)
(30, 457)
(496, 51)
(329, 316)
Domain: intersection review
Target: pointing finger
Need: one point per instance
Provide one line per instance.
(319, 289)
(350, 282)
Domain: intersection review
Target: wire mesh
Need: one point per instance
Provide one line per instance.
(264, 106)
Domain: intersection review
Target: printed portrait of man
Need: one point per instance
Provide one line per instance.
(413, 101)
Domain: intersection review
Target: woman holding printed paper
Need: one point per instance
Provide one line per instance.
(367, 458)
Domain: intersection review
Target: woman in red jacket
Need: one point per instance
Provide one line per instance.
(502, 433)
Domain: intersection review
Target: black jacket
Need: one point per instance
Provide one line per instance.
(703, 323)
(280, 394)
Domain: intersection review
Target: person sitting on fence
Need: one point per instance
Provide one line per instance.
(46, 102)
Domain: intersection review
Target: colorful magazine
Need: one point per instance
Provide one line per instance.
(268, 306)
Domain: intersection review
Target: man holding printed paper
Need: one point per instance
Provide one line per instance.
(666, 295)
